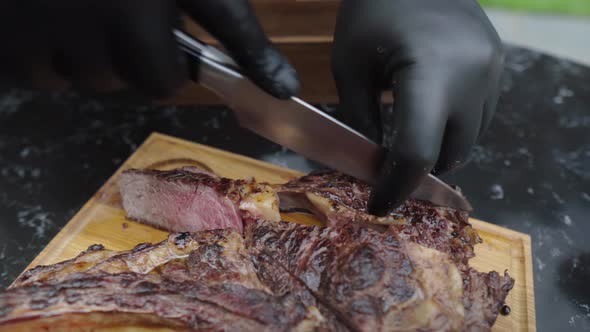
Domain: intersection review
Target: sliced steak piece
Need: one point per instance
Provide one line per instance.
(372, 281)
(108, 297)
(282, 276)
(444, 229)
(201, 281)
(287, 277)
(339, 199)
(189, 200)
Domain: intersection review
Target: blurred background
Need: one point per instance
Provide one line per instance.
(558, 27)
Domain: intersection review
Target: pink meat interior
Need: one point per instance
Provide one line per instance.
(177, 206)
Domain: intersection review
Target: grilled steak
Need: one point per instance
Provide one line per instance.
(371, 281)
(189, 200)
(337, 198)
(241, 269)
(217, 280)
(200, 281)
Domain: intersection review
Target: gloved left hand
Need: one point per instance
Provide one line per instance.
(95, 42)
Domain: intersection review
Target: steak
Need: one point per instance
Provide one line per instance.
(199, 281)
(371, 281)
(218, 280)
(337, 198)
(190, 200)
(238, 267)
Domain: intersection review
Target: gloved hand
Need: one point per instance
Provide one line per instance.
(443, 61)
(87, 40)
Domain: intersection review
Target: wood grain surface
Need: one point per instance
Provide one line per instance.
(102, 220)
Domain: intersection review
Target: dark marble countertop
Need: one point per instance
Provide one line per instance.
(531, 171)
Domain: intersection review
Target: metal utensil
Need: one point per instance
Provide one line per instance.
(298, 125)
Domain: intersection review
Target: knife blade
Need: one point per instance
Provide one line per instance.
(299, 126)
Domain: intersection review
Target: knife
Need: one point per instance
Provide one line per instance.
(299, 126)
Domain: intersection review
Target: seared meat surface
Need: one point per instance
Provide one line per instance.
(219, 280)
(238, 268)
(200, 281)
(371, 281)
(337, 198)
(190, 200)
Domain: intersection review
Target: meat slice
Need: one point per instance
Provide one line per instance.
(372, 281)
(406, 271)
(281, 277)
(340, 199)
(112, 300)
(190, 200)
(337, 199)
(206, 281)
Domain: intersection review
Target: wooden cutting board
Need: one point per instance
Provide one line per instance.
(102, 220)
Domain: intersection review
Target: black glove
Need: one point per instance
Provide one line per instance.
(87, 40)
(442, 59)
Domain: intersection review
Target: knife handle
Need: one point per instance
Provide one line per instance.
(197, 51)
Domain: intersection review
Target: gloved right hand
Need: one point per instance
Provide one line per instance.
(441, 59)
(87, 41)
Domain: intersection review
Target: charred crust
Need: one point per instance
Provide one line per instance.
(349, 268)
(180, 240)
